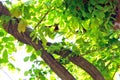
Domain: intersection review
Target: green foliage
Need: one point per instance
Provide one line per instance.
(7, 47)
(55, 47)
(11, 66)
(88, 23)
(5, 19)
(26, 58)
(32, 57)
(22, 25)
(39, 70)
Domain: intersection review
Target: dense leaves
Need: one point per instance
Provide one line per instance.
(86, 28)
(7, 47)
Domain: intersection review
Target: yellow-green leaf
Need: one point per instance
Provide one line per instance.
(16, 12)
(22, 26)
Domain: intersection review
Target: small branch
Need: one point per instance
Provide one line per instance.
(42, 19)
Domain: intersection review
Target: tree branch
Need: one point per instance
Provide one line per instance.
(42, 19)
(55, 66)
(11, 28)
(88, 67)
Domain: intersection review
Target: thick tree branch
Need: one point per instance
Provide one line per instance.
(55, 66)
(11, 28)
(84, 64)
(88, 67)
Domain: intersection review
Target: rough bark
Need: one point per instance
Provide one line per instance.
(48, 58)
(88, 67)
(84, 64)
(24, 37)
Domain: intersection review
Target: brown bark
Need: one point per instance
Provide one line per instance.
(88, 67)
(24, 37)
(84, 64)
(117, 21)
(48, 58)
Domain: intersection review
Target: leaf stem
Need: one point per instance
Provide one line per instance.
(42, 19)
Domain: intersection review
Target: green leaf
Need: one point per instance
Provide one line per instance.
(11, 66)
(38, 52)
(54, 47)
(42, 37)
(100, 14)
(7, 39)
(26, 73)
(93, 2)
(52, 77)
(1, 34)
(99, 7)
(29, 49)
(5, 19)
(86, 24)
(26, 59)
(5, 54)
(1, 48)
(22, 26)
(90, 9)
(102, 1)
(32, 57)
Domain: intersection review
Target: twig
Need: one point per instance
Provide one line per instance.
(42, 19)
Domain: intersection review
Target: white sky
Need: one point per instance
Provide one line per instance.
(15, 75)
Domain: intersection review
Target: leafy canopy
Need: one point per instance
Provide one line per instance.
(86, 28)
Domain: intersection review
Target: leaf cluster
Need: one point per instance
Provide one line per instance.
(86, 28)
